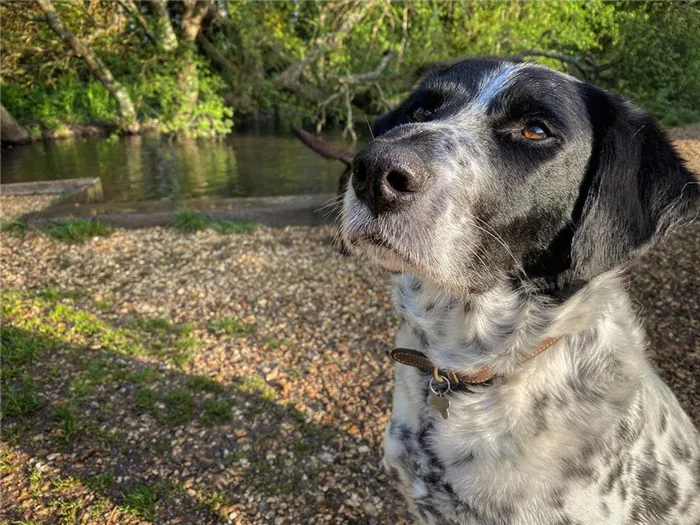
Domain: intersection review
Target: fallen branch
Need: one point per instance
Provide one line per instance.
(323, 147)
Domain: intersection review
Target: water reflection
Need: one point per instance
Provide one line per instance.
(150, 167)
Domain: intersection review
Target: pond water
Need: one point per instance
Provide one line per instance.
(147, 167)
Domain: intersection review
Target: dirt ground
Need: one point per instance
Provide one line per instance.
(155, 376)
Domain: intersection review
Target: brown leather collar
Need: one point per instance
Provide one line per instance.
(418, 360)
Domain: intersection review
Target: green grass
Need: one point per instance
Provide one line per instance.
(160, 326)
(79, 230)
(18, 349)
(257, 385)
(227, 227)
(179, 405)
(66, 419)
(200, 383)
(216, 412)
(20, 399)
(190, 221)
(16, 228)
(102, 305)
(100, 482)
(230, 325)
(141, 500)
(145, 400)
(54, 294)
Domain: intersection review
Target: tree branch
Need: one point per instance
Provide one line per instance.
(213, 53)
(166, 33)
(132, 10)
(22, 12)
(369, 76)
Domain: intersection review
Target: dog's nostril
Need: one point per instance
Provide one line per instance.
(359, 173)
(399, 181)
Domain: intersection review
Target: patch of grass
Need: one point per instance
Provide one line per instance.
(66, 418)
(78, 230)
(159, 326)
(190, 221)
(141, 500)
(145, 400)
(81, 322)
(7, 460)
(217, 412)
(214, 501)
(257, 385)
(144, 375)
(179, 405)
(203, 384)
(54, 294)
(16, 228)
(228, 227)
(102, 305)
(20, 399)
(100, 482)
(18, 349)
(61, 484)
(230, 325)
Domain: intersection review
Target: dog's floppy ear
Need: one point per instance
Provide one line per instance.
(636, 187)
(389, 121)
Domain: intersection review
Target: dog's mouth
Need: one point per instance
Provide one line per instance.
(381, 251)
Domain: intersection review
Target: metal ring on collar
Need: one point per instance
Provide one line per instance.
(442, 379)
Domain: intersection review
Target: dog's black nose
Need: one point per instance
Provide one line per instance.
(387, 176)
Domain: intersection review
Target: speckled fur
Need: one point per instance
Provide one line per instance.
(507, 243)
(585, 433)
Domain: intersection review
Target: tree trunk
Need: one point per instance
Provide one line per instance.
(166, 34)
(10, 131)
(187, 80)
(127, 113)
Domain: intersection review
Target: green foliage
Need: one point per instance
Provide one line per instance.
(653, 49)
(65, 102)
(79, 230)
(189, 221)
(16, 228)
(161, 96)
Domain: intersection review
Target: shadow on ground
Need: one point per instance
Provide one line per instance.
(101, 426)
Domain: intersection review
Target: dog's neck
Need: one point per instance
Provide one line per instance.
(501, 328)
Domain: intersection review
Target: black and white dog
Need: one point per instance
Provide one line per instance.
(505, 197)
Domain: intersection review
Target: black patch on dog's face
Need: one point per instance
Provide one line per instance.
(604, 184)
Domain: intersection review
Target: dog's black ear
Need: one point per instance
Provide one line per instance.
(636, 188)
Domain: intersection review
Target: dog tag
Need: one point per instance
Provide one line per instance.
(440, 403)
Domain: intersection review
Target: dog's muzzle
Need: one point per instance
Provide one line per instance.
(388, 176)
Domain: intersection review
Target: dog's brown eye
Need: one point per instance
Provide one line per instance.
(534, 132)
(420, 114)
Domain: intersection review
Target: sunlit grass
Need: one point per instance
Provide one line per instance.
(78, 230)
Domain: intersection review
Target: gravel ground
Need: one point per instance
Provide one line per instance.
(14, 206)
(207, 378)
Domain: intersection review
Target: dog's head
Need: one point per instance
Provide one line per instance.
(495, 170)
